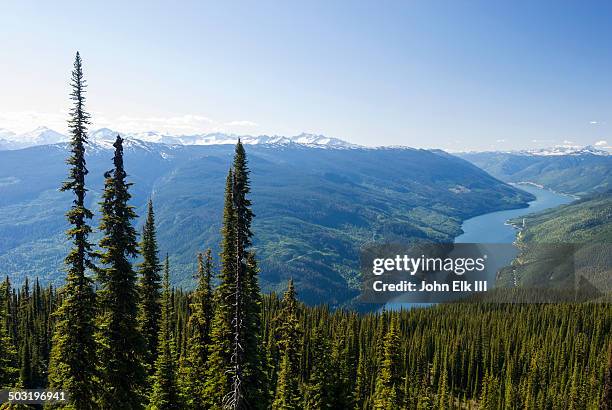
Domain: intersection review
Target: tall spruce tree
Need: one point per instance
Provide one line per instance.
(73, 356)
(236, 377)
(219, 356)
(149, 288)
(26, 330)
(386, 393)
(8, 354)
(606, 399)
(287, 395)
(120, 341)
(193, 367)
(318, 394)
(249, 383)
(165, 393)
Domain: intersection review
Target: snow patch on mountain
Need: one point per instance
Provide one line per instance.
(555, 151)
(103, 138)
(566, 150)
(39, 136)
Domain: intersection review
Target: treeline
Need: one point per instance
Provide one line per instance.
(452, 356)
(117, 336)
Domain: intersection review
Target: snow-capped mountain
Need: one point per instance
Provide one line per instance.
(566, 150)
(104, 137)
(6, 134)
(555, 151)
(38, 136)
(317, 141)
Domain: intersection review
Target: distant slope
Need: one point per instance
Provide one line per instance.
(585, 225)
(313, 206)
(583, 221)
(577, 173)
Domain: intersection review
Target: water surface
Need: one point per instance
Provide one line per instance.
(492, 227)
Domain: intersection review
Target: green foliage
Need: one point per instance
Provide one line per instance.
(515, 356)
(235, 367)
(121, 369)
(581, 230)
(193, 365)
(386, 393)
(149, 289)
(445, 356)
(287, 389)
(218, 385)
(314, 207)
(571, 174)
(8, 353)
(318, 393)
(606, 398)
(73, 357)
(165, 393)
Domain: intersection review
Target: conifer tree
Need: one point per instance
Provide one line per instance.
(193, 367)
(149, 311)
(287, 389)
(165, 391)
(8, 354)
(361, 384)
(489, 397)
(318, 394)
(606, 400)
(255, 376)
(236, 377)
(509, 389)
(443, 390)
(219, 357)
(26, 376)
(120, 352)
(248, 375)
(73, 356)
(386, 394)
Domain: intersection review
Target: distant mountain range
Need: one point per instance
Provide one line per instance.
(555, 151)
(38, 136)
(45, 136)
(571, 170)
(314, 207)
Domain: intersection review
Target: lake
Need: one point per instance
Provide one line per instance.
(492, 228)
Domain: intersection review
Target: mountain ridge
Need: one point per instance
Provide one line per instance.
(102, 136)
(556, 150)
(314, 207)
(578, 174)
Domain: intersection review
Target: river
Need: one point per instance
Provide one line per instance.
(492, 228)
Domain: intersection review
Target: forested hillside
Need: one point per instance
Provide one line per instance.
(581, 229)
(578, 173)
(314, 206)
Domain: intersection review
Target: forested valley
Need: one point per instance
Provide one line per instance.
(118, 336)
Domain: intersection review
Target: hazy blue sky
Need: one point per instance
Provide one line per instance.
(449, 74)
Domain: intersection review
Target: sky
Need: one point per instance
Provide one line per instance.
(457, 75)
